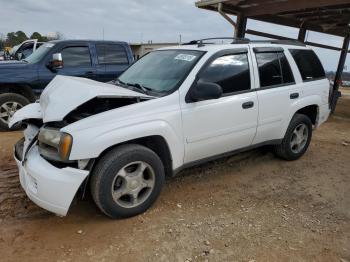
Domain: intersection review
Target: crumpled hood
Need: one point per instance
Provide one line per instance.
(65, 93)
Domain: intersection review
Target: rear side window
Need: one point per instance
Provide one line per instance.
(76, 56)
(231, 72)
(274, 69)
(111, 54)
(308, 63)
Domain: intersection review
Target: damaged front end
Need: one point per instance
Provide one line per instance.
(47, 173)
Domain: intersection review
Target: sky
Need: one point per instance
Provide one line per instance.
(137, 21)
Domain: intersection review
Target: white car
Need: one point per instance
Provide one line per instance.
(174, 108)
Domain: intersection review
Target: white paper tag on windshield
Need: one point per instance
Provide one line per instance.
(49, 45)
(185, 57)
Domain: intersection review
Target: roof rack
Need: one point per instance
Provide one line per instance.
(236, 40)
(280, 41)
(202, 42)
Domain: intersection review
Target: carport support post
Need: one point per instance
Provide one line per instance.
(336, 94)
(241, 26)
(302, 34)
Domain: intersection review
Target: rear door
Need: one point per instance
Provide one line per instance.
(112, 60)
(277, 91)
(214, 127)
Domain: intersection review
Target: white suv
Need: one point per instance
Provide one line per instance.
(174, 108)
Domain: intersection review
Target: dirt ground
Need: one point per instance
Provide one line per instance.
(249, 207)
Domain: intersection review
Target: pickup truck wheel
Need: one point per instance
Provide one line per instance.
(9, 104)
(297, 138)
(127, 181)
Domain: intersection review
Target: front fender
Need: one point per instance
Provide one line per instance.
(91, 142)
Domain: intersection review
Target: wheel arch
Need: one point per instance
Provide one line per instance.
(23, 90)
(308, 106)
(311, 111)
(156, 143)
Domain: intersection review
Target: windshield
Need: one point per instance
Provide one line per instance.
(39, 53)
(161, 71)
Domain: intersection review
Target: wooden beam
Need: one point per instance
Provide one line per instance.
(323, 46)
(278, 6)
(278, 37)
(336, 94)
(241, 26)
(293, 23)
(272, 36)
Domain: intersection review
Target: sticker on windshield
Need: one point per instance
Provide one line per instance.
(49, 45)
(185, 57)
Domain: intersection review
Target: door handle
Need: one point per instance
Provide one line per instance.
(247, 105)
(294, 95)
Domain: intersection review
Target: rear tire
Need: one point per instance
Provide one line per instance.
(9, 104)
(127, 181)
(297, 138)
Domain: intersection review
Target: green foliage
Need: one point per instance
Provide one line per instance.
(38, 36)
(15, 38)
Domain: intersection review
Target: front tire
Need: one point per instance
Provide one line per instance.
(127, 181)
(9, 104)
(297, 138)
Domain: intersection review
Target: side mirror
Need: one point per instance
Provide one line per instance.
(56, 62)
(205, 91)
(19, 56)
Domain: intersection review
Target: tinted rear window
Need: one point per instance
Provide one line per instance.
(308, 63)
(274, 69)
(111, 54)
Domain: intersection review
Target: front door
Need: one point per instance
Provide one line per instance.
(76, 62)
(217, 126)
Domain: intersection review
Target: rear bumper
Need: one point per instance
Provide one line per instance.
(47, 186)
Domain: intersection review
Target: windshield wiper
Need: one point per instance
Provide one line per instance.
(143, 88)
(139, 87)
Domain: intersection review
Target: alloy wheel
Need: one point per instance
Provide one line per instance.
(8, 109)
(133, 184)
(299, 138)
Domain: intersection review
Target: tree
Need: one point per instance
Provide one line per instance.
(38, 36)
(21, 36)
(13, 38)
(2, 41)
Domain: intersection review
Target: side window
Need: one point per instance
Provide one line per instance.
(287, 74)
(111, 54)
(76, 56)
(27, 50)
(274, 69)
(308, 63)
(231, 72)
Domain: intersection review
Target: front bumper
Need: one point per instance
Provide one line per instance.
(47, 186)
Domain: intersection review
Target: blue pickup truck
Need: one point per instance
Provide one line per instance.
(21, 82)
